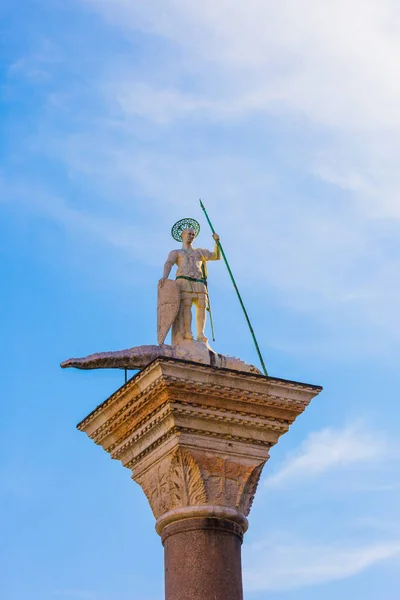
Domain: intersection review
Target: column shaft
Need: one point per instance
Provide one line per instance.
(203, 560)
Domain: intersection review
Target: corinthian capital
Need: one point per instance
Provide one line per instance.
(196, 437)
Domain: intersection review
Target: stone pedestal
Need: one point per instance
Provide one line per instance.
(196, 439)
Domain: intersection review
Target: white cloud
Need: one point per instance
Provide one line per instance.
(279, 566)
(330, 449)
(334, 62)
(328, 70)
(303, 546)
(330, 66)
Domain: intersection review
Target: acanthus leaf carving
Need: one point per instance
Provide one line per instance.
(185, 480)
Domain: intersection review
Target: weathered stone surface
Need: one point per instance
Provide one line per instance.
(196, 437)
(140, 357)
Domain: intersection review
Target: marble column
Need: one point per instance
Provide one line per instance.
(196, 439)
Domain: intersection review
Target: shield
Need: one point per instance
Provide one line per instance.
(167, 308)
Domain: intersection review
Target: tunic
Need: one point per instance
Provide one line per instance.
(190, 264)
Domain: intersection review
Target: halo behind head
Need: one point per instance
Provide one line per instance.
(183, 224)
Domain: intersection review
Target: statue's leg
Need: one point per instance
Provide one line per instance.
(201, 316)
(187, 300)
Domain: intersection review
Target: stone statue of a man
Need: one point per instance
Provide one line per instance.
(191, 280)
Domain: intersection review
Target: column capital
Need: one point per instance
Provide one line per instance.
(196, 437)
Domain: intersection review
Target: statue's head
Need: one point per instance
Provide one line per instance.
(185, 230)
(188, 235)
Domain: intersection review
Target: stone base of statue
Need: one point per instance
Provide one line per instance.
(140, 357)
(196, 438)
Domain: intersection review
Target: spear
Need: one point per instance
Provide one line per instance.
(238, 293)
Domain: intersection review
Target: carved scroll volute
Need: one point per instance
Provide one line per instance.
(185, 481)
(249, 491)
(155, 485)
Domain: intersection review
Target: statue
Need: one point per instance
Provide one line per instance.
(175, 301)
(191, 281)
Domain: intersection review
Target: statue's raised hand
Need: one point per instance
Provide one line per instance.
(216, 237)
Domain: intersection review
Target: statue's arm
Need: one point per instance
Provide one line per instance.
(171, 260)
(216, 253)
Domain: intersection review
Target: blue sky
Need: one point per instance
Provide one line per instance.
(116, 116)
